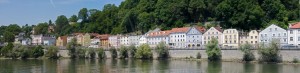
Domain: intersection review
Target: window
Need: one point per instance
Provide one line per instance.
(251, 37)
(255, 37)
(298, 30)
(270, 29)
(298, 38)
(291, 31)
(275, 29)
(291, 38)
(284, 34)
(273, 35)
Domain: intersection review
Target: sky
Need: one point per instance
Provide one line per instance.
(32, 12)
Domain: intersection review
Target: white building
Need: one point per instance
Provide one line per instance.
(194, 37)
(231, 38)
(95, 42)
(154, 38)
(37, 39)
(133, 40)
(294, 34)
(273, 33)
(213, 32)
(142, 40)
(49, 40)
(124, 41)
(178, 37)
(114, 41)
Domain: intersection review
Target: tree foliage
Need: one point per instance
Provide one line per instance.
(213, 51)
(269, 53)
(113, 52)
(52, 52)
(162, 50)
(144, 52)
(248, 54)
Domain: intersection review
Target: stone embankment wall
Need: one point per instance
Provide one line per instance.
(287, 55)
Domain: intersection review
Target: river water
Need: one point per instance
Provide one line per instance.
(139, 66)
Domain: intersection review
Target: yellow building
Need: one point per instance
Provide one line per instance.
(231, 38)
(61, 41)
(250, 38)
(104, 40)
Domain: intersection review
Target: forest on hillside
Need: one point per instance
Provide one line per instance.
(139, 16)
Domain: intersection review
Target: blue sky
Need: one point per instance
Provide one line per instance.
(32, 12)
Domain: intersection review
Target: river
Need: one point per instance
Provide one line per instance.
(139, 66)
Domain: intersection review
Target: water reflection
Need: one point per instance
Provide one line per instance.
(139, 66)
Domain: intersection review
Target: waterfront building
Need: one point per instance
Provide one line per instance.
(294, 34)
(95, 42)
(124, 41)
(213, 32)
(273, 33)
(231, 38)
(37, 39)
(194, 37)
(104, 40)
(21, 39)
(133, 40)
(48, 40)
(61, 41)
(142, 40)
(114, 41)
(154, 38)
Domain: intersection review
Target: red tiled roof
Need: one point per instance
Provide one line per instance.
(295, 25)
(201, 29)
(159, 33)
(183, 29)
(103, 36)
(219, 28)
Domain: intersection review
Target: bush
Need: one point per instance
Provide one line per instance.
(81, 53)
(24, 52)
(295, 60)
(213, 51)
(132, 50)
(37, 52)
(270, 53)
(7, 50)
(123, 52)
(91, 53)
(52, 52)
(162, 50)
(101, 54)
(113, 52)
(72, 48)
(248, 55)
(144, 52)
(198, 55)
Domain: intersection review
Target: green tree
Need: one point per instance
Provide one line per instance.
(13, 28)
(269, 53)
(162, 50)
(144, 52)
(37, 52)
(71, 46)
(52, 52)
(113, 52)
(81, 53)
(8, 36)
(41, 28)
(61, 24)
(83, 14)
(213, 51)
(73, 18)
(132, 49)
(248, 55)
(6, 50)
(91, 53)
(101, 53)
(123, 52)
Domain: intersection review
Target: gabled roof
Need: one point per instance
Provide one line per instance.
(219, 28)
(103, 36)
(200, 28)
(159, 33)
(179, 30)
(295, 26)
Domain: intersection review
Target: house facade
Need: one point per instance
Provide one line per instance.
(273, 33)
(294, 34)
(154, 38)
(61, 41)
(114, 41)
(124, 41)
(142, 40)
(133, 40)
(95, 42)
(178, 37)
(231, 38)
(104, 40)
(213, 32)
(194, 37)
(49, 40)
(37, 39)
